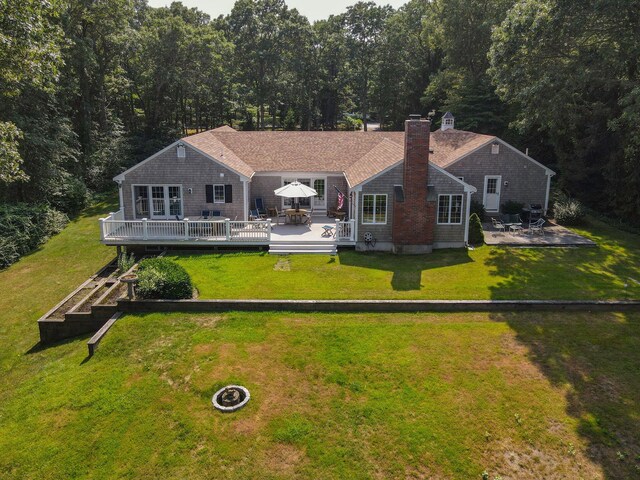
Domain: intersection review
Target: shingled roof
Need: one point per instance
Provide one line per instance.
(360, 155)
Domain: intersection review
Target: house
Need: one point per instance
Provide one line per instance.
(409, 192)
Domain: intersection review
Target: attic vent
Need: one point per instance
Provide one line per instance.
(181, 151)
(495, 148)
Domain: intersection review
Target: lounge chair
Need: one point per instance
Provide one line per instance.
(204, 214)
(255, 215)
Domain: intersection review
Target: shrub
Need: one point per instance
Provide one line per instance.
(477, 208)
(125, 261)
(164, 279)
(71, 195)
(476, 235)
(24, 227)
(511, 207)
(568, 211)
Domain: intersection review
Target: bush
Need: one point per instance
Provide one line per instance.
(568, 211)
(125, 261)
(511, 207)
(24, 227)
(476, 235)
(71, 195)
(160, 278)
(477, 208)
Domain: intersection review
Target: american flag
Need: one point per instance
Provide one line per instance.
(340, 200)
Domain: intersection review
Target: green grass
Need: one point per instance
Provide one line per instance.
(610, 271)
(333, 396)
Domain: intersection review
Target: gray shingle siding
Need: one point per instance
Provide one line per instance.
(445, 236)
(527, 181)
(195, 171)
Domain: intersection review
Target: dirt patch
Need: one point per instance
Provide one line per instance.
(283, 459)
(283, 264)
(526, 462)
(203, 349)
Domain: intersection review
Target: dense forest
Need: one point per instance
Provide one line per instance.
(88, 87)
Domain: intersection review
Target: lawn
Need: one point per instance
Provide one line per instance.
(333, 396)
(610, 271)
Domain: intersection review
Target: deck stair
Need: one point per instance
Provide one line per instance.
(306, 247)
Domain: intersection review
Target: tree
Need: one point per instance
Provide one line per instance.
(571, 70)
(364, 23)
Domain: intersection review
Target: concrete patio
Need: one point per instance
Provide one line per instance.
(554, 236)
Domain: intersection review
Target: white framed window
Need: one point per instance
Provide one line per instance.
(218, 193)
(449, 209)
(374, 208)
(157, 201)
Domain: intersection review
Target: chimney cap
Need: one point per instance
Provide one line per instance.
(415, 116)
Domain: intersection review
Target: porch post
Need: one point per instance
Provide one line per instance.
(245, 199)
(227, 228)
(466, 223)
(186, 228)
(144, 229)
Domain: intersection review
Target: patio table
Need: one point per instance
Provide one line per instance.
(294, 216)
(514, 227)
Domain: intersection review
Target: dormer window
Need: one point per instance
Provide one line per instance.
(181, 152)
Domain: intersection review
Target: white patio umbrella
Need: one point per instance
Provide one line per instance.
(295, 190)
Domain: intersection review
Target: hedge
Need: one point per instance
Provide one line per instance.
(160, 278)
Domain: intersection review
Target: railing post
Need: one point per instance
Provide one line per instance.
(227, 228)
(186, 228)
(145, 235)
(338, 232)
(352, 230)
(268, 230)
(102, 234)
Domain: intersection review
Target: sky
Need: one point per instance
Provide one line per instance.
(312, 9)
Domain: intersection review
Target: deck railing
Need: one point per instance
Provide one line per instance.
(345, 230)
(115, 228)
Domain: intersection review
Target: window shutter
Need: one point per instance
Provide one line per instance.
(209, 193)
(228, 194)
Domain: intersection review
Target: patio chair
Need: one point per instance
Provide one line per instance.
(307, 219)
(216, 213)
(255, 215)
(537, 227)
(259, 203)
(277, 214)
(497, 224)
(204, 214)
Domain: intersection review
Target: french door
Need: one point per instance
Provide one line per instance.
(319, 184)
(157, 201)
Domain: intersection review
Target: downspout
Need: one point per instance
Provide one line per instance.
(466, 224)
(245, 199)
(546, 197)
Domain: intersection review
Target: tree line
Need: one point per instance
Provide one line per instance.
(89, 87)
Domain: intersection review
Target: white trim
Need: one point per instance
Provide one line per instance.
(467, 187)
(121, 176)
(223, 193)
(382, 172)
(120, 196)
(386, 208)
(546, 195)
(167, 215)
(496, 139)
(450, 195)
(245, 200)
(297, 174)
(498, 188)
(466, 223)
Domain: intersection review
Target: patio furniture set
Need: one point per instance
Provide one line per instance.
(514, 225)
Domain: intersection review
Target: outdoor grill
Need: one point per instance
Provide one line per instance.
(532, 213)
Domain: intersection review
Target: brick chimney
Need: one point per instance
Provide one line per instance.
(414, 216)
